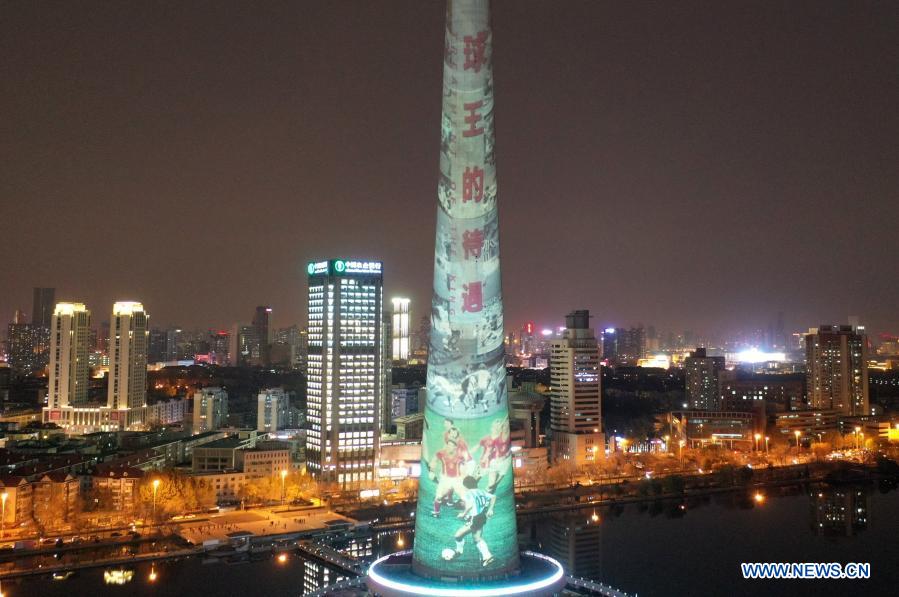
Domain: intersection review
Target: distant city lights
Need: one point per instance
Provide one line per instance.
(754, 355)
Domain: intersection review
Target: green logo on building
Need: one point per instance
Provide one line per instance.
(310, 268)
(339, 266)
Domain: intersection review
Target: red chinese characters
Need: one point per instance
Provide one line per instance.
(473, 119)
(472, 297)
(473, 185)
(475, 51)
(473, 243)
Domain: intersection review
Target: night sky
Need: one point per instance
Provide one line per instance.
(692, 165)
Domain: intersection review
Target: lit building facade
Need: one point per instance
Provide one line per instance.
(210, 410)
(576, 395)
(28, 346)
(272, 410)
(346, 384)
(466, 450)
(703, 380)
(400, 336)
(624, 346)
(836, 361)
(70, 326)
(128, 346)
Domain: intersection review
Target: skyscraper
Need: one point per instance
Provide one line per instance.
(345, 377)
(43, 306)
(400, 335)
(263, 336)
(836, 361)
(703, 380)
(624, 346)
(129, 342)
(271, 412)
(70, 325)
(576, 394)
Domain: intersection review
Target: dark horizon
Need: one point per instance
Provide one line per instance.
(693, 166)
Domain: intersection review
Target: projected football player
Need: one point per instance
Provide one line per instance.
(451, 433)
(474, 391)
(449, 480)
(496, 455)
(478, 508)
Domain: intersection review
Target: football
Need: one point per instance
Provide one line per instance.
(448, 554)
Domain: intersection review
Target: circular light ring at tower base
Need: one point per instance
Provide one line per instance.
(541, 575)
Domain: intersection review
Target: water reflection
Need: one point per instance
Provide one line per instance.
(615, 544)
(839, 511)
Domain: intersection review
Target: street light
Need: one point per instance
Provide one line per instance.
(857, 429)
(155, 489)
(283, 477)
(680, 452)
(766, 444)
(3, 497)
(758, 436)
(797, 433)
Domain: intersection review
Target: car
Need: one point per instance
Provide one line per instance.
(116, 534)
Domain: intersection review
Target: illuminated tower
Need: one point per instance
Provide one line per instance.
(128, 344)
(465, 448)
(400, 335)
(466, 540)
(346, 382)
(70, 326)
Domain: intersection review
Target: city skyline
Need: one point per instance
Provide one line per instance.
(187, 153)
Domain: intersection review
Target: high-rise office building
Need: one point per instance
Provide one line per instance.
(156, 347)
(128, 345)
(703, 380)
(173, 342)
(576, 394)
(345, 362)
(243, 349)
(70, 326)
(27, 346)
(263, 336)
(272, 410)
(386, 379)
(400, 329)
(210, 410)
(836, 361)
(43, 306)
(624, 346)
(220, 345)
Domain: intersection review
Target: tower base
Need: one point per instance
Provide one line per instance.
(392, 576)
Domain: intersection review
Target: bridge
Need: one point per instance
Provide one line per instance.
(586, 586)
(328, 555)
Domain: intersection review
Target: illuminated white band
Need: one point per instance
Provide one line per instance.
(511, 589)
